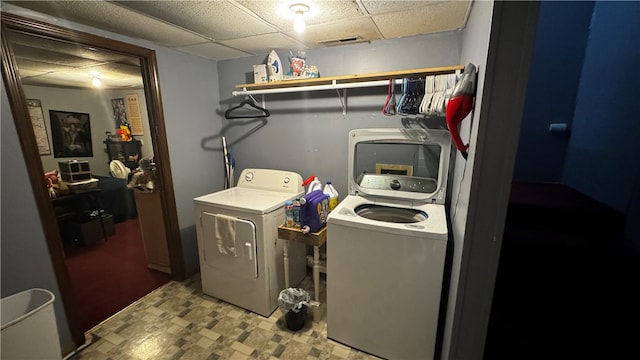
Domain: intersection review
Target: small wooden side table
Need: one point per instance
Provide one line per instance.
(315, 239)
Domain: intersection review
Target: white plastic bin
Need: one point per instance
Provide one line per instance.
(29, 329)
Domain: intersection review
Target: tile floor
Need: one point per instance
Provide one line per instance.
(178, 321)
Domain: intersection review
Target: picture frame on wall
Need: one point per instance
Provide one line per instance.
(39, 128)
(70, 134)
(119, 112)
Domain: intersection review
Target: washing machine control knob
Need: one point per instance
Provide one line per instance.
(248, 177)
(395, 184)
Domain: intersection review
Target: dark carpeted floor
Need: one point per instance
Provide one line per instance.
(566, 287)
(108, 276)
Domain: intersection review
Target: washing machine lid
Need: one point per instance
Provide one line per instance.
(405, 164)
(247, 200)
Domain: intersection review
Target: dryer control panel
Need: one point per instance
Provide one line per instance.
(397, 182)
(269, 179)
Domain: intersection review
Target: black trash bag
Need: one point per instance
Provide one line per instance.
(294, 302)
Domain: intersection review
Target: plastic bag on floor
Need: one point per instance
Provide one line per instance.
(293, 299)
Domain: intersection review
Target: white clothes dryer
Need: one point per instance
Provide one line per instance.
(386, 243)
(241, 258)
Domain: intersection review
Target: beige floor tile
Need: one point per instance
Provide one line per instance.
(179, 322)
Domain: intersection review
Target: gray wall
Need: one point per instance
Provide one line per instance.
(24, 256)
(502, 96)
(475, 44)
(307, 132)
(189, 97)
(189, 89)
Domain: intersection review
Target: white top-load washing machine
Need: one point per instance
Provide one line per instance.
(241, 258)
(386, 243)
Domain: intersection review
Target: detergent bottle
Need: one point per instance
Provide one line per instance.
(313, 211)
(288, 214)
(296, 213)
(333, 195)
(313, 182)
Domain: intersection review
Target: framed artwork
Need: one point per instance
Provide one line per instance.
(39, 128)
(135, 121)
(71, 134)
(119, 111)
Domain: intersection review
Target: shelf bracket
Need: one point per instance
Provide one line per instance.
(342, 98)
(250, 96)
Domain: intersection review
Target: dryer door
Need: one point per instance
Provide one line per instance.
(233, 256)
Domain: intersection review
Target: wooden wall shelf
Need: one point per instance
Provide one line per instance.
(348, 79)
(336, 83)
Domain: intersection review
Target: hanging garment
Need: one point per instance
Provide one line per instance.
(389, 107)
(225, 234)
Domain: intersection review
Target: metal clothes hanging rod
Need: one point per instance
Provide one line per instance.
(333, 85)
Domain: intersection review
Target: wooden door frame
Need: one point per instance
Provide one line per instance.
(20, 112)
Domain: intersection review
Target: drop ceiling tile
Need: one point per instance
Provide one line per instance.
(278, 13)
(423, 20)
(46, 57)
(54, 82)
(315, 35)
(256, 45)
(217, 20)
(376, 7)
(111, 17)
(213, 51)
(106, 74)
(27, 72)
(117, 70)
(232, 28)
(41, 66)
(42, 48)
(63, 78)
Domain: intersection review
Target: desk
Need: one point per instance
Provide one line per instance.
(316, 239)
(91, 198)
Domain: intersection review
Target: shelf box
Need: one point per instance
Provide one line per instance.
(260, 74)
(74, 166)
(74, 170)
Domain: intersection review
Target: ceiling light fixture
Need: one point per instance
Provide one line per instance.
(96, 82)
(95, 78)
(298, 21)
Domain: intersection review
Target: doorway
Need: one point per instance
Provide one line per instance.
(15, 31)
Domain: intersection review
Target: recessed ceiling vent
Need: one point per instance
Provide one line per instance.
(347, 40)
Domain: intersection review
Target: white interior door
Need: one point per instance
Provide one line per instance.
(244, 263)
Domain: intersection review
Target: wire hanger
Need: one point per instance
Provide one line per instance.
(265, 113)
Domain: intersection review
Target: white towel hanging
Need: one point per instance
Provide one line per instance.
(225, 234)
